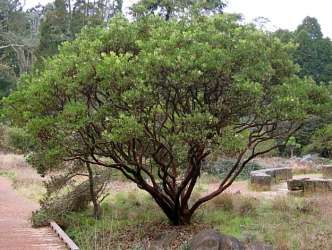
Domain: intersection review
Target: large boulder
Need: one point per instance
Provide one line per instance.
(212, 240)
(258, 246)
(163, 241)
(264, 178)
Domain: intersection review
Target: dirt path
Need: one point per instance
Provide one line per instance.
(16, 232)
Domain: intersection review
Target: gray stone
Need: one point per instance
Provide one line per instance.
(163, 241)
(264, 178)
(317, 185)
(327, 171)
(261, 181)
(212, 240)
(258, 246)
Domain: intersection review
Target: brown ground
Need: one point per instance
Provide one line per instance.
(16, 232)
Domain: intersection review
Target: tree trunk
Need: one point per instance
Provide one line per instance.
(176, 216)
(93, 195)
(182, 218)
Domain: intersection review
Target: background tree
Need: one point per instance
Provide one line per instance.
(169, 8)
(63, 19)
(15, 55)
(314, 53)
(314, 56)
(292, 145)
(53, 28)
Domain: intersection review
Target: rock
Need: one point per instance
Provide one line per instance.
(261, 181)
(310, 157)
(258, 246)
(297, 193)
(212, 240)
(163, 241)
(317, 185)
(296, 184)
(264, 178)
(327, 171)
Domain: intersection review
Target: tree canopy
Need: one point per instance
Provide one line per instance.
(154, 99)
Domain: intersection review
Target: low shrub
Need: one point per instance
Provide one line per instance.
(245, 205)
(223, 201)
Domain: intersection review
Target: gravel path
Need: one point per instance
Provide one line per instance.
(16, 232)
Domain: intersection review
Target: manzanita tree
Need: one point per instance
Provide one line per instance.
(154, 99)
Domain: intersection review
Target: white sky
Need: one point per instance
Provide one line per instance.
(286, 14)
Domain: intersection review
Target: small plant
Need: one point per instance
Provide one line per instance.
(185, 246)
(281, 204)
(223, 201)
(292, 145)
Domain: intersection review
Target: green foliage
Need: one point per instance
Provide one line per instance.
(149, 95)
(19, 139)
(314, 53)
(53, 29)
(292, 145)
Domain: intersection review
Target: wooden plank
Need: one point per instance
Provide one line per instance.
(71, 244)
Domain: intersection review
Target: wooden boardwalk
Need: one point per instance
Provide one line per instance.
(16, 232)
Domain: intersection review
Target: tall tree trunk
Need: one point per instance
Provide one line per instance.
(93, 195)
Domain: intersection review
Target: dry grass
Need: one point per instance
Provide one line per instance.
(12, 161)
(25, 179)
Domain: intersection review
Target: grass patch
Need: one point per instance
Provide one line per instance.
(228, 222)
(28, 187)
(8, 174)
(33, 191)
(125, 218)
(130, 219)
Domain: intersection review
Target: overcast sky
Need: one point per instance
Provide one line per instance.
(286, 14)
